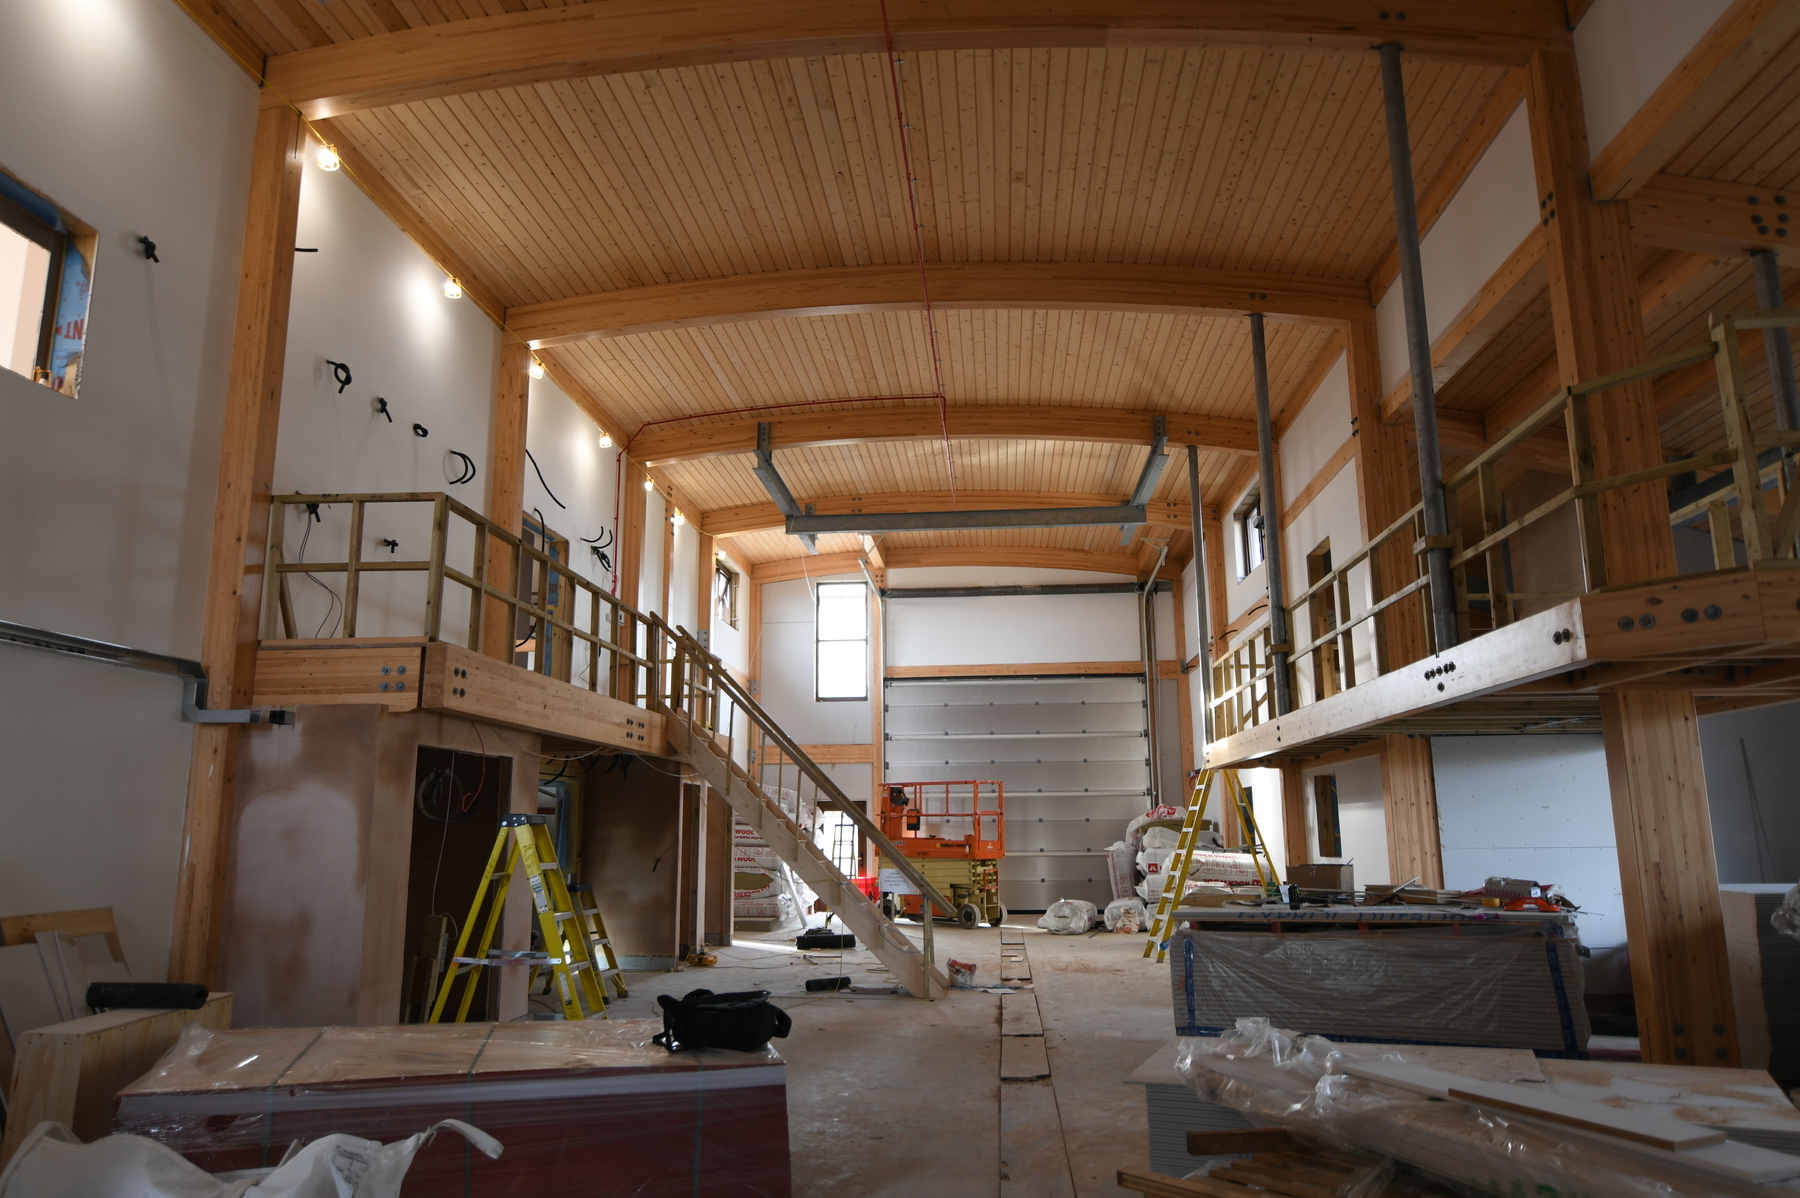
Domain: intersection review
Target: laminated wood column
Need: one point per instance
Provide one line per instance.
(505, 489)
(1293, 815)
(1409, 801)
(1667, 870)
(631, 533)
(240, 534)
(1386, 481)
(1673, 918)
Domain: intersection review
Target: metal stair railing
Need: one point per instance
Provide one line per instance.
(702, 702)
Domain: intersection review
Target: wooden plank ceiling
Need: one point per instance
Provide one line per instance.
(1213, 157)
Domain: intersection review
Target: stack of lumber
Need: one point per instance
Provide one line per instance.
(1527, 1137)
(569, 1101)
(1498, 985)
(1765, 978)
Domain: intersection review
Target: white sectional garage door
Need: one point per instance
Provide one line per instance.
(1072, 750)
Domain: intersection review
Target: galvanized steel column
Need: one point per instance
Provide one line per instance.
(1271, 522)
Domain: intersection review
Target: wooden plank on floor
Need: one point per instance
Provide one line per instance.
(1015, 971)
(1012, 935)
(1019, 1015)
(1023, 1058)
(1034, 1162)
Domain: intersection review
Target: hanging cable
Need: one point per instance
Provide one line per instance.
(334, 603)
(918, 230)
(540, 473)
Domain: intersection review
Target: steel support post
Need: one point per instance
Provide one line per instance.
(1776, 344)
(1203, 633)
(1271, 521)
(1418, 347)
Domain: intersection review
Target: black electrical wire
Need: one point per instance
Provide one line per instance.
(336, 604)
(467, 475)
(540, 473)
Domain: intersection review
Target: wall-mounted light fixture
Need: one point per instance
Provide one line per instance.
(452, 288)
(328, 158)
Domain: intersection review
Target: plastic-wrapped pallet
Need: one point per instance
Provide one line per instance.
(1496, 985)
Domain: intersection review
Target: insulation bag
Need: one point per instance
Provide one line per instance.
(1068, 917)
(743, 1022)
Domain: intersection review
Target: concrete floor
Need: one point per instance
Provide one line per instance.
(888, 1095)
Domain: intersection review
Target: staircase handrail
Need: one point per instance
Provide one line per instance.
(721, 678)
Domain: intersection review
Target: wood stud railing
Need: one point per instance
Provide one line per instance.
(1243, 673)
(539, 586)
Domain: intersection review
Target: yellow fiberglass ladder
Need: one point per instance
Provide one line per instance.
(576, 949)
(1175, 876)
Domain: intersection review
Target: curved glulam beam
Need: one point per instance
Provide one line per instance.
(834, 290)
(580, 40)
(766, 517)
(1010, 422)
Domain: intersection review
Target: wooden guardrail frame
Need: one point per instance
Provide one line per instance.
(1764, 538)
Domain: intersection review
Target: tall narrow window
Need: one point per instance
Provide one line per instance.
(1249, 532)
(1325, 809)
(725, 594)
(843, 641)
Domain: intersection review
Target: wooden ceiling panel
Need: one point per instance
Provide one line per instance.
(1166, 362)
(1755, 140)
(1236, 159)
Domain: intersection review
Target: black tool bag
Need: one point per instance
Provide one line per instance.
(744, 1021)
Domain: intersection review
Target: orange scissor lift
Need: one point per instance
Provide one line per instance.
(924, 820)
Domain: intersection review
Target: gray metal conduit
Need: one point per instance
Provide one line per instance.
(1163, 586)
(1418, 347)
(191, 673)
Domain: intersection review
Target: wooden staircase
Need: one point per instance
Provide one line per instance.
(698, 691)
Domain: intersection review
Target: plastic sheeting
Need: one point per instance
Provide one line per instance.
(53, 1163)
(1505, 987)
(1786, 918)
(1275, 1077)
(565, 1098)
(1069, 917)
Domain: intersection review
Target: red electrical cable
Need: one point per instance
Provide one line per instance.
(912, 196)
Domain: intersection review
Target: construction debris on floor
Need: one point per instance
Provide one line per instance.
(564, 1099)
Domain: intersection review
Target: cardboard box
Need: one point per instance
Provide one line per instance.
(1340, 879)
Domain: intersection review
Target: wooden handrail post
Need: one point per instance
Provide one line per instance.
(352, 560)
(434, 578)
(1753, 517)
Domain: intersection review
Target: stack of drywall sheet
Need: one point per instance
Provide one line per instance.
(573, 1104)
(1175, 1110)
(1504, 1136)
(1742, 1103)
(1765, 980)
(1496, 985)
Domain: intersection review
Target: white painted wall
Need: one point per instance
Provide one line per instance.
(584, 476)
(1626, 48)
(371, 299)
(1490, 216)
(650, 586)
(1265, 803)
(1016, 629)
(1362, 818)
(788, 664)
(731, 644)
(1319, 430)
(1768, 736)
(1533, 807)
(125, 114)
(684, 579)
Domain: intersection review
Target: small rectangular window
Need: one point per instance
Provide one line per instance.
(1249, 522)
(725, 594)
(842, 631)
(44, 270)
(1325, 811)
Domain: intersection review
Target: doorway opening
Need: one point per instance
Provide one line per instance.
(458, 799)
